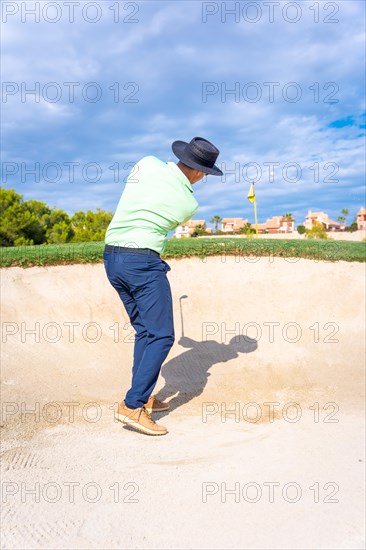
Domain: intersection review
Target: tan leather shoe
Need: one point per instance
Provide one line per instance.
(140, 420)
(154, 405)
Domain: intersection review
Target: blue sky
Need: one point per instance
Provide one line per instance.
(277, 86)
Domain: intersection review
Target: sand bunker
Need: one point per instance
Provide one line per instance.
(265, 382)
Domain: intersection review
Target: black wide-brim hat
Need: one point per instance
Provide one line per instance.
(199, 154)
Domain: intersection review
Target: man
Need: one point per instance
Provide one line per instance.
(158, 197)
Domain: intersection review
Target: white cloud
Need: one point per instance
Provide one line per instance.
(170, 53)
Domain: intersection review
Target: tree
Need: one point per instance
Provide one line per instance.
(90, 226)
(353, 227)
(301, 229)
(288, 216)
(317, 231)
(33, 222)
(48, 225)
(198, 230)
(21, 222)
(8, 198)
(58, 226)
(39, 214)
(216, 220)
(247, 229)
(10, 208)
(343, 218)
(60, 232)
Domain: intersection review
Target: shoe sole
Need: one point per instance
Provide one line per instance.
(136, 426)
(151, 410)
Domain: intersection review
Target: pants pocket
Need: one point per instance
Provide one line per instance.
(166, 266)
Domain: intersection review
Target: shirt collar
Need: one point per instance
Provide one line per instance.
(179, 174)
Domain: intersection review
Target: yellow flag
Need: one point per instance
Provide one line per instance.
(251, 194)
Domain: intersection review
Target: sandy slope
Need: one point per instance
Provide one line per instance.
(266, 395)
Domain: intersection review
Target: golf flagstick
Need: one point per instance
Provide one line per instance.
(252, 198)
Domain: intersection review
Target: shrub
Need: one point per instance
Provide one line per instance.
(352, 228)
(316, 232)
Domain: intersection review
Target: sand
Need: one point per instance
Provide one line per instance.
(265, 446)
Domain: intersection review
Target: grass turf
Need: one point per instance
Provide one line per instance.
(291, 249)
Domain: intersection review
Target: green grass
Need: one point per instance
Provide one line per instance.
(321, 250)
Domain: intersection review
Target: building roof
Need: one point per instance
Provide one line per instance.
(232, 220)
(328, 221)
(316, 214)
(323, 217)
(193, 223)
(271, 223)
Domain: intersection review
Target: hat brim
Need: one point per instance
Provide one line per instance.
(178, 148)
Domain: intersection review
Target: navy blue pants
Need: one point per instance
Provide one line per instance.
(143, 286)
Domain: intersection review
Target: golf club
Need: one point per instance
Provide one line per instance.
(181, 312)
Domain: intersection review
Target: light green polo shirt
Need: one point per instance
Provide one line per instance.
(156, 199)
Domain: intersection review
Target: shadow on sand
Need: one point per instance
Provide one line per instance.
(186, 375)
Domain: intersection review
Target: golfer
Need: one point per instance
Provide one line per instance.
(158, 197)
